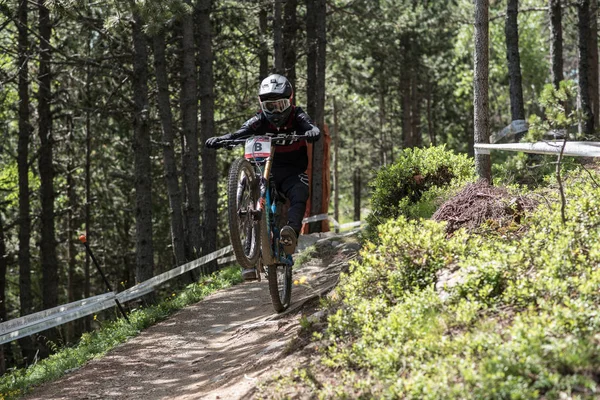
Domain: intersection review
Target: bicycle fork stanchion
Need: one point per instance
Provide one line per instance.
(83, 239)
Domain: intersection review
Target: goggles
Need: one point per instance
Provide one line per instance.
(275, 106)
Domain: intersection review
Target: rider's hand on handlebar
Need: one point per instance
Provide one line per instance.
(312, 135)
(213, 142)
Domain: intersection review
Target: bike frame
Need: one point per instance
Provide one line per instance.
(271, 253)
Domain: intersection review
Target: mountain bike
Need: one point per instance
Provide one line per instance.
(255, 214)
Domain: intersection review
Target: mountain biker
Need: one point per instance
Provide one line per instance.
(278, 115)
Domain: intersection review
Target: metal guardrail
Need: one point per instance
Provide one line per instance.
(40, 321)
(28, 325)
(577, 149)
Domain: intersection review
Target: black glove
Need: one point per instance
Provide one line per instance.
(215, 142)
(313, 135)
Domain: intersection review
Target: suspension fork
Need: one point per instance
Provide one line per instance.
(265, 180)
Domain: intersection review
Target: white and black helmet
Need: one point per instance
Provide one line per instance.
(275, 96)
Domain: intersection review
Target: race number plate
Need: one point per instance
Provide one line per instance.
(258, 147)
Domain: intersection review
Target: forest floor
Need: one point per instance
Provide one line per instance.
(223, 347)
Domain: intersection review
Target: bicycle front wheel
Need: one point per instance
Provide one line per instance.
(280, 286)
(242, 197)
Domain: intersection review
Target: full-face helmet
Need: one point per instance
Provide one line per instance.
(275, 96)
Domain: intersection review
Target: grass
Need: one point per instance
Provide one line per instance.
(95, 344)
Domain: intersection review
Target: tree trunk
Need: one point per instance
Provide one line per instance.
(189, 114)
(556, 43)
(88, 178)
(382, 120)
(318, 12)
(290, 27)
(593, 63)
(277, 37)
(46, 167)
(405, 90)
(25, 298)
(511, 32)
(311, 58)
(356, 182)
(430, 117)
(142, 153)
(415, 120)
(483, 164)
(75, 282)
(407, 134)
(3, 268)
(586, 126)
(336, 158)
(263, 28)
(207, 111)
(169, 158)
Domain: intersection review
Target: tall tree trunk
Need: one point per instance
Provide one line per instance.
(336, 158)
(586, 126)
(189, 114)
(415, 120)
(405, 90)
(75, 282)
(382, 124)
(593, 63)
(88, 177)
(430, 117)
(483, 165)
(318, 13)
(25, 298)
(207, 124)
(511, 32)
(142, 152)
(277, 37)
(356, 182)
(3, 315)
(556, 43)
(263, 28)
(48, 241)
(290, 27)
(169, 157)
(311, 58)
(407, 134)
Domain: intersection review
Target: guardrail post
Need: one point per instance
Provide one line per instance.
(83, 239)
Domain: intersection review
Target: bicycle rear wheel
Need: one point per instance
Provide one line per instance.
(280, 286)
(242, 197)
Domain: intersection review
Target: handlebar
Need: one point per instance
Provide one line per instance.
(276, 140)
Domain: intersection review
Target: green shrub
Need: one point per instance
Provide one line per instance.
(522, 321)
(415, 183)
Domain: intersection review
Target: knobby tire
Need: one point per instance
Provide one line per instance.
(279, 275)
(242, 197)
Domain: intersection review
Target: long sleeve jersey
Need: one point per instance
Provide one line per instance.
(292, 157)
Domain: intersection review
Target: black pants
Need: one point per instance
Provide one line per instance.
(294, 186)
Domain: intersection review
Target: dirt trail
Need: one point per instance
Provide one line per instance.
(219, 348)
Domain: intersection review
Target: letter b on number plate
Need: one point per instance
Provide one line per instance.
(258, 147)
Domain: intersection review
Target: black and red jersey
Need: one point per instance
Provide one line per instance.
(294, 157)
